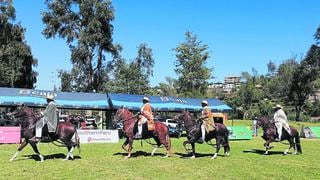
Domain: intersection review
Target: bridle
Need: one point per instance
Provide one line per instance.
(117, 119)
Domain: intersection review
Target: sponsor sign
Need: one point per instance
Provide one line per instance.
(98, 136)
(239, 132)
(9, 135)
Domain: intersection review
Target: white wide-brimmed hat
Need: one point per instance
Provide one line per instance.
(50, 97)
(204, 102)
(278, 106)
(146, 99)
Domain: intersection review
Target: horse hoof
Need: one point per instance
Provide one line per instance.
(192, 157)
(65, 159)
(166, 156)
(227, 154)
(266, 153)
(11, 160)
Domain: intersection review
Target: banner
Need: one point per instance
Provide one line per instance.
(98, 136)
(239, 132)
(9, 135)
(316, 131)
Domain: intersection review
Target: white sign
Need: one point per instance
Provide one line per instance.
(98, 136)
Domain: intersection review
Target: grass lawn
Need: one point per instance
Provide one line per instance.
(106, 161)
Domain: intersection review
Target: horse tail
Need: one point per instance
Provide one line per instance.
(169, 143)
(298, 143)
(226, 139)
(77, 143)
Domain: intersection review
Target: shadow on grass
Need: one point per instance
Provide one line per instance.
(46, 157)
(138, 153)
(259, 151)
(198, 155)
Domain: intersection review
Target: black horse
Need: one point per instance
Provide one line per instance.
(221, 134)
(270, 134)
(65, 132)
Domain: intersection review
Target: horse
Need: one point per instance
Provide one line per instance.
(65, 132)
(270, 134)
(193, 128)
(160, 133)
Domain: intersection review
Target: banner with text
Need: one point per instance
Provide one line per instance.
(9, 135)
(98, 136)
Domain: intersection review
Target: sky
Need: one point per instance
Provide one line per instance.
(241, 35)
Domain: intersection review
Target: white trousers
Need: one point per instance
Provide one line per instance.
(203, 131)
(143, 120)
(40, 124)
(279, 126)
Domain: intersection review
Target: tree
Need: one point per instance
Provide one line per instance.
(279, 85)
(305, 76)
(168, 88)
(86, 27)
(132, 77)
(271, 68)
(191, 66)
(16, 59)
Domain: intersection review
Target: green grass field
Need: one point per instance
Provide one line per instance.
(106, 161)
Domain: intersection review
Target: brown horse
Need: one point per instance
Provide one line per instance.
(221, 134)
(65, 132)
(270, 133)
(160, 133)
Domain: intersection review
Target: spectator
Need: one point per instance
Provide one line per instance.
(254, 126)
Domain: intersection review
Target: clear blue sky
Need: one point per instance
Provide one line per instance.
(240, 34)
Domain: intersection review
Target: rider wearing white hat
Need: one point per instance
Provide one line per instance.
(49, 118)
(280, 120)
(207, 124)
(146, 115)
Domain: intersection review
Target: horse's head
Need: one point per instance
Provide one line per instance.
(185, 118)
(122, 115)
(24, 116)
(262, 121)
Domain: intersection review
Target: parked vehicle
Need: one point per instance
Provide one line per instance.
(174, 129)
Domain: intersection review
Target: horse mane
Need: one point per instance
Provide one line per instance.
(26, 116)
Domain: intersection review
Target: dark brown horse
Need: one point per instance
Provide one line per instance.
(270, 134)
(221, 134)
(160, 133)
(65, 132)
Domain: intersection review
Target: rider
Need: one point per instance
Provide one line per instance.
(145, 115)
(49, 118)
(280, 120)
(208, 123)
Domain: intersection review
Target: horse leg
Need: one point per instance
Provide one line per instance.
(218, 141)
(158, 144)
(291, 144)
(35, 149)
(69, 154)
(226, 149)
(129, 148)
(23, 144)
(166, 141)
(125, 144)
(193, 145)
(267, 146)
(193, 148)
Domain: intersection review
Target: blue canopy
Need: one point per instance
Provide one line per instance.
(32, 97)
(163, 103)
(36, 98)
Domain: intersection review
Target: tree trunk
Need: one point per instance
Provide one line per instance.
(298, 111)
